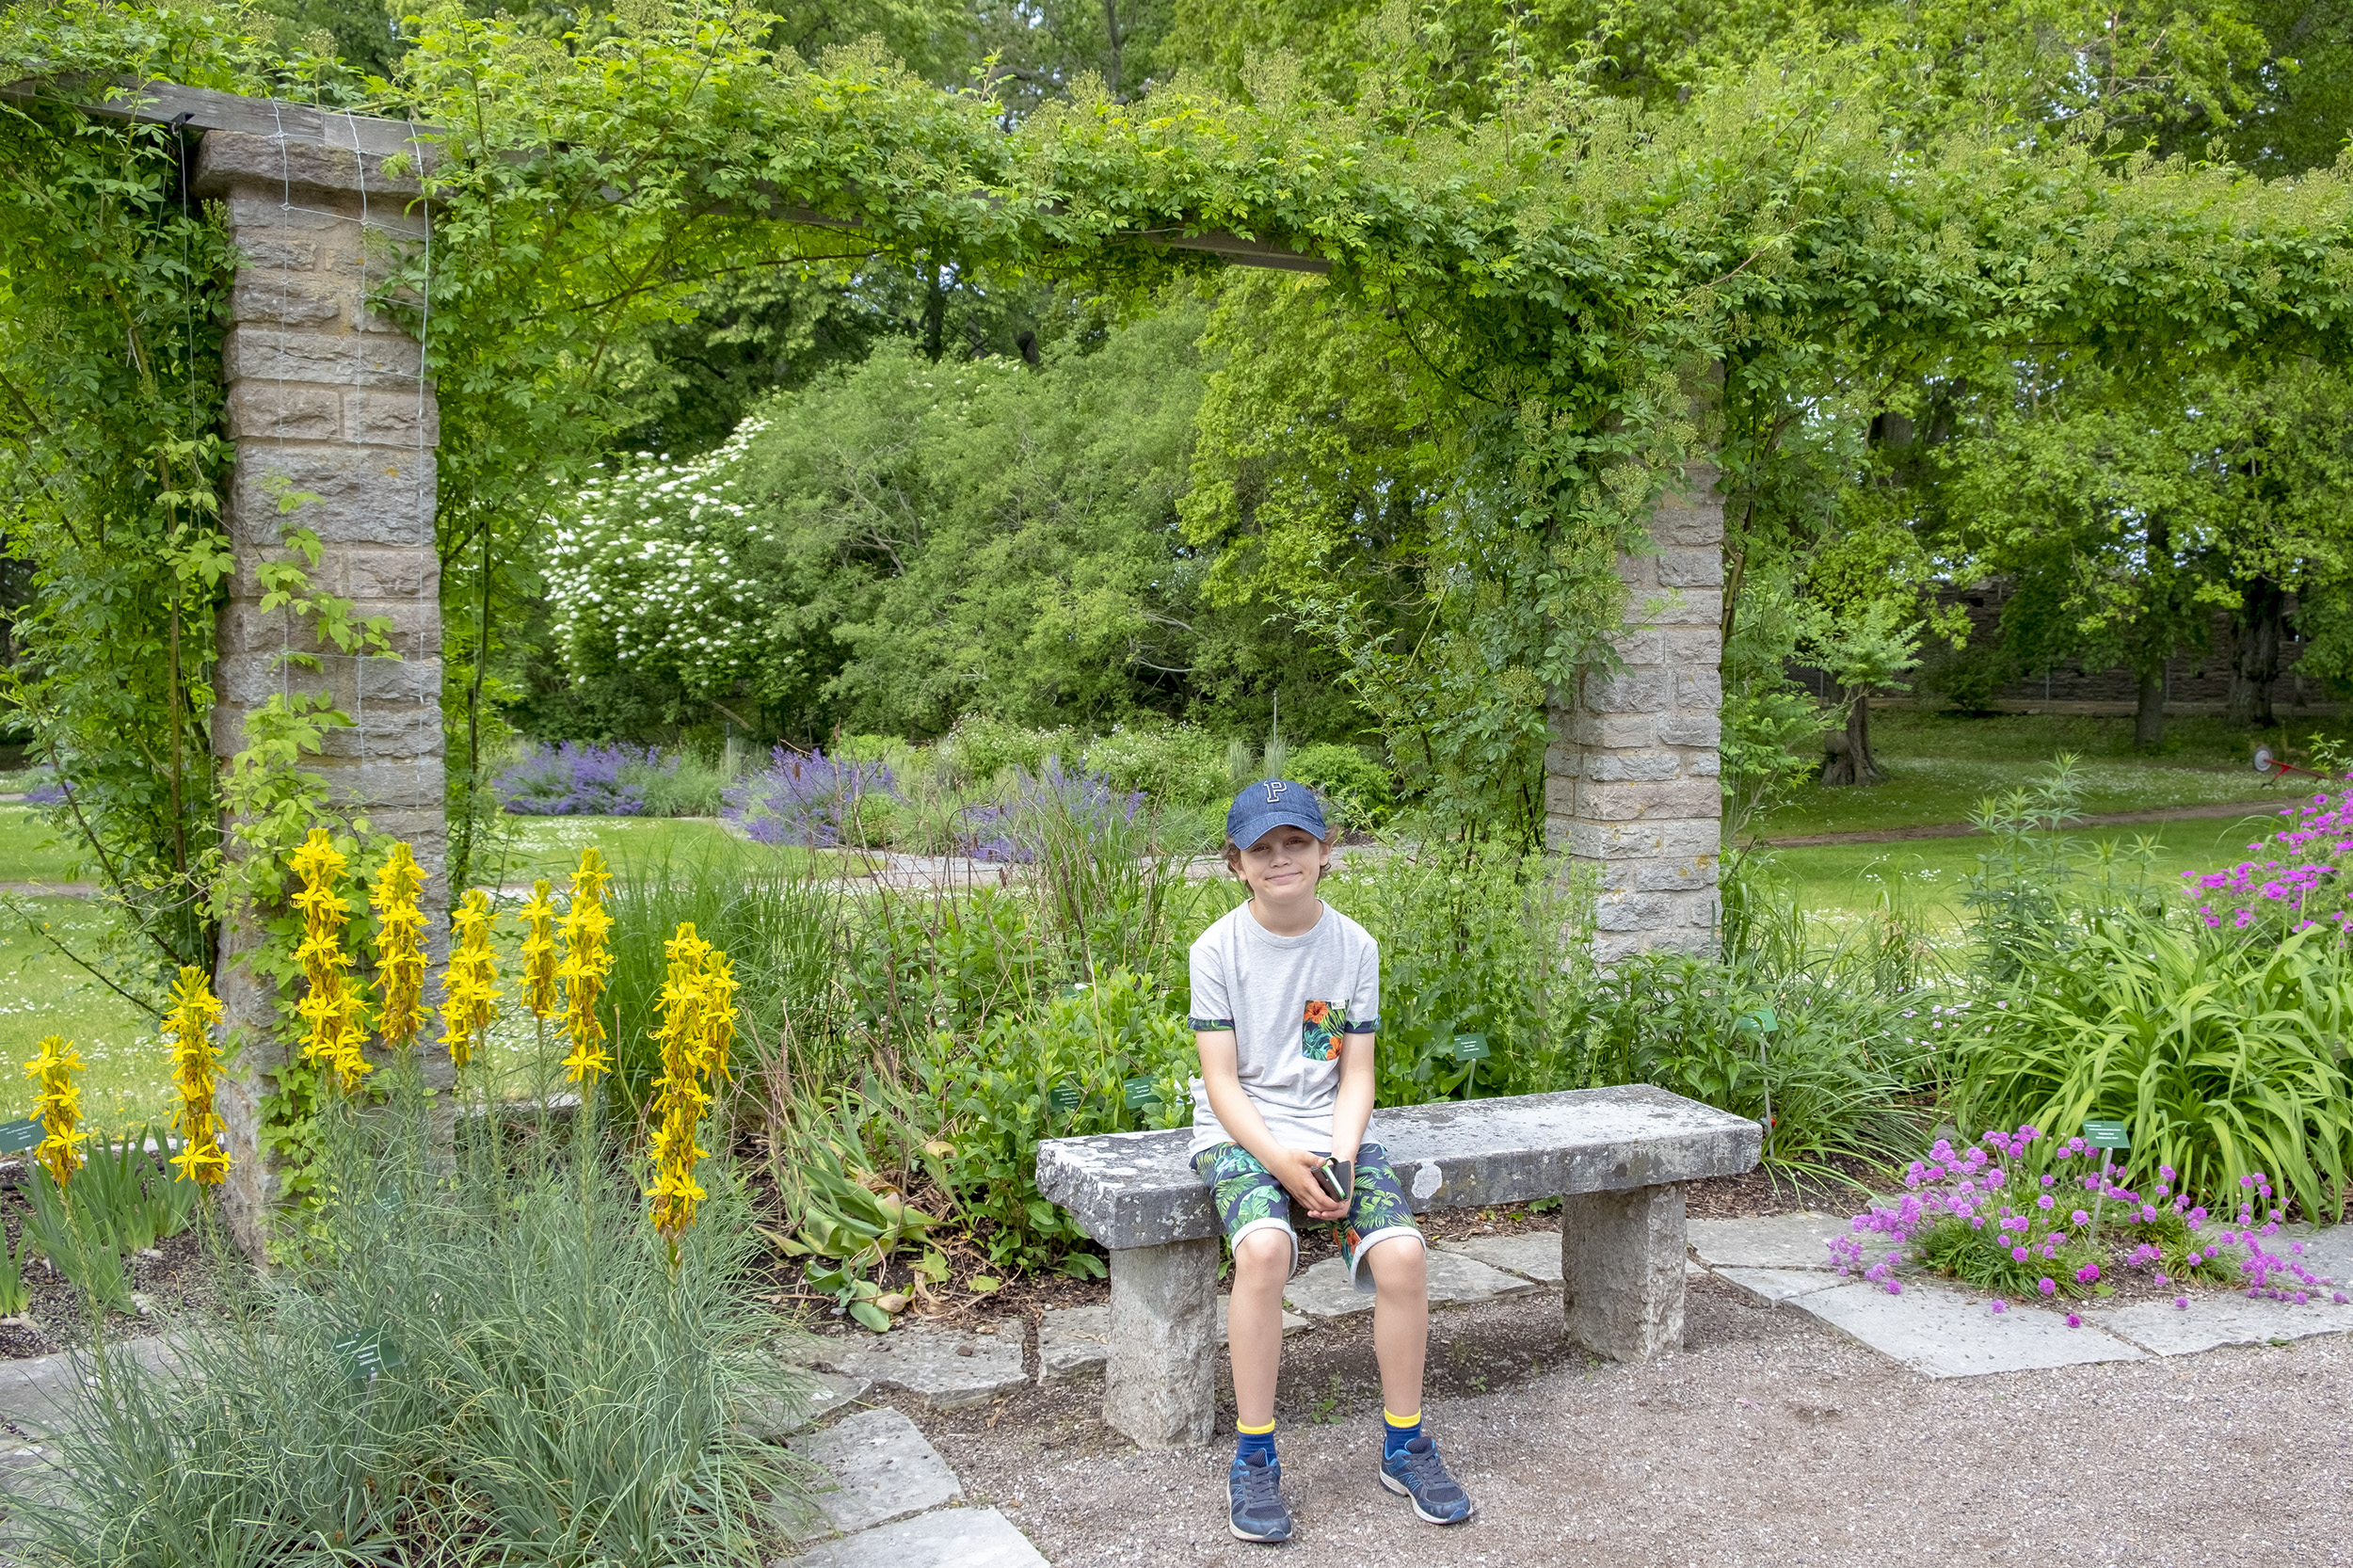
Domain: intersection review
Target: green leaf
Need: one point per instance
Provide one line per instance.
(871, 1315)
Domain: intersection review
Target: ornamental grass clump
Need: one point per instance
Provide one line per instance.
(587, 961)
(2016, 1213)
(399, 948)
(331, 1004)
(500, 1365)
(470, 993)
(57, 1108)
(196, 1072)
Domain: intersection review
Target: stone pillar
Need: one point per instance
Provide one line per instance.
(1160, 1386)
(335, 429)
(1621, 1262)
(1631, 786)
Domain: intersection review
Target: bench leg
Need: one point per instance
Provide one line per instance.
(1159, 1387)
(1622, 1260)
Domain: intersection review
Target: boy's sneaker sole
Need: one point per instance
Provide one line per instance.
(1241, 1534)
(1406, 1492)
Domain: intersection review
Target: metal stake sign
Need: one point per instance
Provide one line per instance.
(2107, 1137)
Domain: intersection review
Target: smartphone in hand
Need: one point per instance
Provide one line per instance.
(1335, 1179)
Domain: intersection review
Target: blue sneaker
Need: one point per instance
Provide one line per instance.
(1416, 1471)
(1257, 1500)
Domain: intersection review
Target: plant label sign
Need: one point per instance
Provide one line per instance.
(16, 1137)
(1063, 1096)
(1142, 1091)
(366, 1355)
(1471, 1047)
(2107, 1135)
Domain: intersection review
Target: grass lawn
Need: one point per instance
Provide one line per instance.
(30, 849)
(1840, 880)
(533, 847)
(129, 1082)
(1939, 765)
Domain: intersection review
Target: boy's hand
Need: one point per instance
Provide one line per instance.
(1296, 1169)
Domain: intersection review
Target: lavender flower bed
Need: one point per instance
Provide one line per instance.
(806, 798)
(570, 780)
(1985, 1215)
(2300, 885)
(1053, 800)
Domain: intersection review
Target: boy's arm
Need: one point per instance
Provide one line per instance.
(1221, 1076)
(1354, 1106)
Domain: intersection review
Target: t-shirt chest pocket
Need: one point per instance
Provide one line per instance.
(1319, 1037)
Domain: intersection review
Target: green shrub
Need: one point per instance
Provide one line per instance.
(981, 750)
(682, 784)
(1170, 764)
(1114, 1056)
(1356, 789)
(1817, 1059)
(2223, 1059)
(1473, 941)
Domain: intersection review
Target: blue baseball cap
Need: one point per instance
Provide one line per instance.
(1269, 805)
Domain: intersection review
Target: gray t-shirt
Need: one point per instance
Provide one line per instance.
(1288, 1000)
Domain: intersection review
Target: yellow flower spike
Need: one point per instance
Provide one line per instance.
(57, 1108)
(196, 1069)
(400, 947)
(718, 1021)
(332, 1006)
(470, 994)
(538, 917)
(587, 960)
(691, 1048)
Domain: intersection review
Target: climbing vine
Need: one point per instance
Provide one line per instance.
(1527, 326)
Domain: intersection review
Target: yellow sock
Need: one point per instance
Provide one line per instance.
(1401, 1430)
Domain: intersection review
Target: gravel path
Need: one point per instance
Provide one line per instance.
(1769, 1441)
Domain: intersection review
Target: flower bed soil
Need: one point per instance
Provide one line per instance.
(174, 1280)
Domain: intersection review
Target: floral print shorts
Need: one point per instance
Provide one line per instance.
(1249, 1198)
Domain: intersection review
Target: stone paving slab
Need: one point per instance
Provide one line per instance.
(1530, 1253)
(1774, 1287)
(774, 1420)
(2209, 1324)
(1771, 1242)
(35, 1391)
(948, 1538)
(1072, 1341)
(1945, 1335)
(882, 1469)
(1324, 1292)
(949, 1369)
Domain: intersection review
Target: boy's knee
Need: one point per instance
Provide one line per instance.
(1261, 1254)
(1399, 1264)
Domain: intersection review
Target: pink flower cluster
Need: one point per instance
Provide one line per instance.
(1976, 1188)
(2300, 885)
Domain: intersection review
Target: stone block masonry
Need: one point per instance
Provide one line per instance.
(1631, 785)
(335, 429)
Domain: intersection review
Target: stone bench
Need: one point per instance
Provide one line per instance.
(1616, 1156)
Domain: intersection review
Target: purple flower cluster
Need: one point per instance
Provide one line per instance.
(572, 779)
(1976, 1205)
(1017, 831)
(2299, 885)
(806, 798)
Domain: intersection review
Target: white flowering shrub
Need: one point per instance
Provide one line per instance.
(653, 570)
